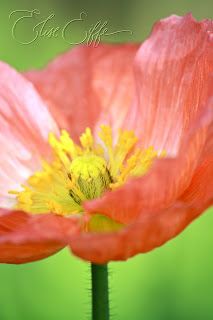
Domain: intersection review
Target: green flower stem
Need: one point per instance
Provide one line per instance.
(100, 297)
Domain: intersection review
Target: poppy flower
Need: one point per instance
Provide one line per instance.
(142, 169)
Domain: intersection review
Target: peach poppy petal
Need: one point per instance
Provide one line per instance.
(142, 237)
(200, 189)
(25, 123)
(162, 185)
(169, 65)
(26, 238)
(87, 85)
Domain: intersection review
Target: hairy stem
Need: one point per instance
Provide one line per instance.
(100, 297)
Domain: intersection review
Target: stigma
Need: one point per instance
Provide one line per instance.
(89, 178)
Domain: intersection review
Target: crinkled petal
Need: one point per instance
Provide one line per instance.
(171, 68)
(26, 238)
(87, 86)
(142, 237)
(25, 124)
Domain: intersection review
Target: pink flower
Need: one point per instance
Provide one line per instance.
(163, 90)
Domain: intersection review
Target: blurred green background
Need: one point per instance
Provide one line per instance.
(173, 282)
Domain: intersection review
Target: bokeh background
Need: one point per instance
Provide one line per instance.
(173, 282)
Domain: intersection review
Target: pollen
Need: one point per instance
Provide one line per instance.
(81, 173)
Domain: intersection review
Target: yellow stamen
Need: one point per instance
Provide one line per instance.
(125, 144)
(78, 174)
(137, 165)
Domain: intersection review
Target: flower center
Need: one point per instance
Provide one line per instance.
(80, 173)
(90, 176)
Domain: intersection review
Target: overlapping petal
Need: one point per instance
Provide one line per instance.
(152, 232)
